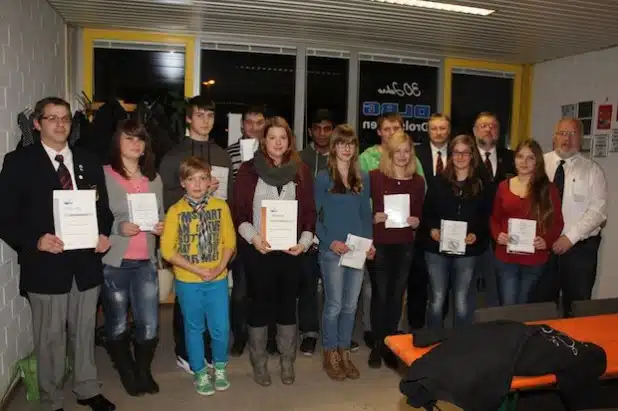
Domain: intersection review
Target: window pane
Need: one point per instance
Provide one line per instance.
(472, 94)
(133, 75)
(409, 90)
(244, 79)
(327, 87)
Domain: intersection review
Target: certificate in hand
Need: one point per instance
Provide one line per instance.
(397, 208)
(247, 148)
(279, 223)
(222, 175)
(355, 258)
(75, 218)
(522, 233)
(453, 237)
(143, 210)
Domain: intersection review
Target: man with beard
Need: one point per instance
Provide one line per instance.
(497, 164)
(582, 185)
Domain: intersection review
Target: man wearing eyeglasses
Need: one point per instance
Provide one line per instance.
(62, 286)
(582, 185)
(497, 164)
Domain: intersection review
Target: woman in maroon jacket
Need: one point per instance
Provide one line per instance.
(394, 246)
(528, 196)
(275, 173)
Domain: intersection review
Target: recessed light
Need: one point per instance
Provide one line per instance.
(456, 8)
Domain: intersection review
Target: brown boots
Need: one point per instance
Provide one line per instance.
(339, 366)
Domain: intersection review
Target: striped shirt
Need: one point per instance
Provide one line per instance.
(234, 153)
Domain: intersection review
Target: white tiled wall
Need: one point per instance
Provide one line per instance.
(590, 76)
(32, 66)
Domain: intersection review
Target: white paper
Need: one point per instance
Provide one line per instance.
(521, 234)
(143, 210)
(279, 223)
(75, 218)
(397, 209)
(355, 258)
(234, 130)
(248, 146)
(222, 175)
(453, 236)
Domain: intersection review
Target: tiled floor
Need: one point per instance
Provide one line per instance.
(376, 390)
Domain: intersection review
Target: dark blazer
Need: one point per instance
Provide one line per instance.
(423, 153)
(505, 169)
(27, 182)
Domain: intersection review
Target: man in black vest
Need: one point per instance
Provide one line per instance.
(62, 286)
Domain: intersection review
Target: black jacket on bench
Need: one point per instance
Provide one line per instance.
(472, 367)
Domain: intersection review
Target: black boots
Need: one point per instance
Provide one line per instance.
(144, 353)
(120, 352)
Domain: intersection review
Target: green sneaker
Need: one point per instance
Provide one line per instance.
(203, 382)
(221, 382)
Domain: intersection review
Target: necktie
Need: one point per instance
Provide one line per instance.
(439, 163)
(490, 168)
(559, 178)
(63, 174)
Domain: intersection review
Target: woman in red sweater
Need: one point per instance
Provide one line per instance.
(528, 196)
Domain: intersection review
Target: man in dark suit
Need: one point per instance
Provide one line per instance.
(61, 286)
(497, 164)
(433, 156)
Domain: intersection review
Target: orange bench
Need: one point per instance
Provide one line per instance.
(601, 330)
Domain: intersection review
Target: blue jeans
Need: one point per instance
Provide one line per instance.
(342, 286)
(135, 282)
(205, 303)
(439, 267)
(516, 281)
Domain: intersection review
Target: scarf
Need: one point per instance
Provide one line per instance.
(274, 176)
(204, 246)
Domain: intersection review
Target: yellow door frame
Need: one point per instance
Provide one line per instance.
(522, 83)
(89, 36)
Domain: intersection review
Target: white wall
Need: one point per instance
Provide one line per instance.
(590, 76)
(32, 66)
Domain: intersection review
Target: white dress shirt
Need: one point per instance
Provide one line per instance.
(434, 155)
(584, 202)
(68, 160)
(493, 157)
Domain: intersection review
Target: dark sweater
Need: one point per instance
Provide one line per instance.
(382, 185)
(442, 203)
(207, 150)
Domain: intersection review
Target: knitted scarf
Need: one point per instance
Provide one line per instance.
(204, 246)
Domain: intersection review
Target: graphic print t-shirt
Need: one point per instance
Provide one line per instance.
(200, 240)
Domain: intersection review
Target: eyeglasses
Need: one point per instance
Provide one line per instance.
(462, 153)
(487, 126)
(347, 146)
(566, 133)
(56, 119)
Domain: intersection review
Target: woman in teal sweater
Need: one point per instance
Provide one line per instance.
(343, 206)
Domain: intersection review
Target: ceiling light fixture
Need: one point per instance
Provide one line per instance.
(456, 8)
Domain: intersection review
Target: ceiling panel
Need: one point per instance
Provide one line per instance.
(523, 31)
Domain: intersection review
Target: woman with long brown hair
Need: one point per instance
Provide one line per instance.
(529, 196)
(129, 270)
(396, 175)
(458, 194)
(343, 204)
(275, 173)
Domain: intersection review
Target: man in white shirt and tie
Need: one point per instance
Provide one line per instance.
(497, 164)
(582, 184)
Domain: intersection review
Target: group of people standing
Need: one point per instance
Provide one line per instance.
(211, 220)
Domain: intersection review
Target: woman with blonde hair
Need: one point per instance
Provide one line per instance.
(274, 173)
(343, 206)
(396, 176)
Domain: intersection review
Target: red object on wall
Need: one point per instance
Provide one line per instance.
(604, 117)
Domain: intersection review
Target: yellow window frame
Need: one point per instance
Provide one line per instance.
(522, 84)
(89, 36)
